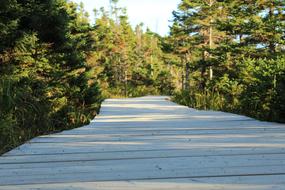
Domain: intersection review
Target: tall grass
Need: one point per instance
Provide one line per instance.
(204, 100)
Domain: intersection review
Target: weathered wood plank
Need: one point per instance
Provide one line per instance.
(221, 183)
(118, 155)
(45, 148)
(144, 175)
(136, 164)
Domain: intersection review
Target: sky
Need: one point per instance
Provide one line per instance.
(155, 14)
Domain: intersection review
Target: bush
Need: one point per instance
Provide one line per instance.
(257, 92)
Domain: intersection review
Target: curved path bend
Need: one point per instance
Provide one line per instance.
(150, 143)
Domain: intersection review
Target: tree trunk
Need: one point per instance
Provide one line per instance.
(211, 43)
(187, 77)
(126, 84)
(182, 82)
(203, 82)
(272, 48)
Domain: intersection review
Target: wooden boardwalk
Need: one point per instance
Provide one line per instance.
(150, 143)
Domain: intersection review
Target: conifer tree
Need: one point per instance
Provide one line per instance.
(196, 19)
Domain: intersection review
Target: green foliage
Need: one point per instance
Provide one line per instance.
(246, 56)
(263, 96)
(45, 82)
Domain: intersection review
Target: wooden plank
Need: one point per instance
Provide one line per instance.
(46, 148)
(113, 138)
(164, 163)
(118, 155)
(144, 174)
(221, 183)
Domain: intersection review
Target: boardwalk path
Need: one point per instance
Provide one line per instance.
(150, 143)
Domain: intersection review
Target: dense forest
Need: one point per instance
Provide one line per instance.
(56, 68)
(233, 55)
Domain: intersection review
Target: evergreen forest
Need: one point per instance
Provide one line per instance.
(56, 67)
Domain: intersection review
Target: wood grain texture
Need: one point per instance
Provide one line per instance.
(150, 143)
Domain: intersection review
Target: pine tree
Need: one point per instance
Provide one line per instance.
(197, 20)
